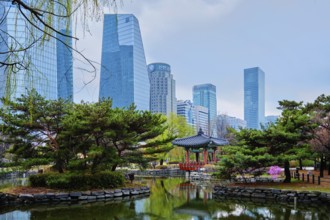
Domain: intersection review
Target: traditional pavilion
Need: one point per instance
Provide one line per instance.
(197, 144)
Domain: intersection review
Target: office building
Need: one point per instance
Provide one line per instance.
(254, 97)
(196, 116)
(185, 108)
(46, 67)
(205, 95)
(162, 89)
(124, 75)
(225, 121)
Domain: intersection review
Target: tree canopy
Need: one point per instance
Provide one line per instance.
(85, 136)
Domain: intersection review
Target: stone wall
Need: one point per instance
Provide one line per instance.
(11, 199)
(272, 194)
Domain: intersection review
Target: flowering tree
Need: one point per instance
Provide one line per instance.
(274, 171)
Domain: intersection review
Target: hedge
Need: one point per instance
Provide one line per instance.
(72, 181)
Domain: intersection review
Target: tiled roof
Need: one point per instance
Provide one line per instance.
(200, 140)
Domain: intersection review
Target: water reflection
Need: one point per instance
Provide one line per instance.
(170, 199)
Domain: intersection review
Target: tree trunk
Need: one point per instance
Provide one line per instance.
(161, 162)
(321, 166)
(113, 168)
(287, 172)
(300, 164)
(315, 164)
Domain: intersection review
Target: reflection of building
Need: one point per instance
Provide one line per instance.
(196, 116)
(254, 97)
(124, 75)
(205, 95)
(162, 89)
(46, 67)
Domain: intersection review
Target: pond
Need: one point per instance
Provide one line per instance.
(171, 198)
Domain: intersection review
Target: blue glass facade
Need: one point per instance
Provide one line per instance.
(205, 95)
(124, 76)
(64, 67)
(254, 97)
(45, 62)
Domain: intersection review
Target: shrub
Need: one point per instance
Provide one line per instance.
(38, 180)
(72, 181)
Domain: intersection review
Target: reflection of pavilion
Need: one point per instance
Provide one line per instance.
(197, 144)
(196, 204)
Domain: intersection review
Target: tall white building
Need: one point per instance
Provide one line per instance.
(162, 89)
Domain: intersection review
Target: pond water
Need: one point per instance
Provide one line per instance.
(170, 198)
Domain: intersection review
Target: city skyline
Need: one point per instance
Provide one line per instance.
(213, 41)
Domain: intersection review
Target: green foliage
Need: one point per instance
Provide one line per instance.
(244, 160)
(73, 181)
(85, 136)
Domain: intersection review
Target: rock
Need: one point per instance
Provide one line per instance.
(118, 194)
(117, 190)
(109, 195)
(40, 196)
(311, 195)
(97, 193)
(75, 194)
(258, 195)
(100, 197)
(126, 192)
(91, 197)
(61, 195)
(245, 194)
(26, 196)
(82, 197)
(134, 192)
(86, 193)
(109, 191)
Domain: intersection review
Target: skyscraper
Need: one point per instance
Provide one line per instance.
(162, 89)
(124, 75)
(196, 116)
(44, 63)
(205, 95)
(254, 97)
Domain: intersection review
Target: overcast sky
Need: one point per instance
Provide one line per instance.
(212, 41)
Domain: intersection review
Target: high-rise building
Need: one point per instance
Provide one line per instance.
(162, 89)
(205, 95)
(47, 67)
(225, 121)
(186, 109)
(124, 75)
(271, 119)
(197, 116)
(254, 97)
(202, 119)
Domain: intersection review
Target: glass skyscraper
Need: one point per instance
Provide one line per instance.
(162, 89)
(205, 95)
(254, 97)
(49, 65)
(124, 75)
(196, 116)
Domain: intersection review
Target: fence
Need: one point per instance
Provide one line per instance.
(310, 178)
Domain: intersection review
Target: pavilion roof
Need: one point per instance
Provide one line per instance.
(200, 140)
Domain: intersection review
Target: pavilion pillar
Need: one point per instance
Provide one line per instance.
(205, 155)
(197, 156)
(214, 157)
(187, 155)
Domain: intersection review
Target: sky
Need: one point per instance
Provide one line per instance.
(213, 41)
